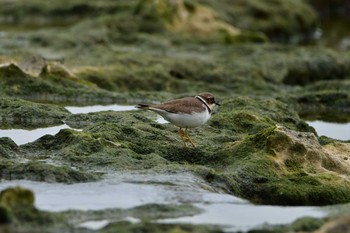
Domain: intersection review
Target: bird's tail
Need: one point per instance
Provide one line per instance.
(142, 106)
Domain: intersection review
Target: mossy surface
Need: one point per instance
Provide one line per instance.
(53, 85)
(258, 148)
(15, 112)
(289, 20)
(17, 205)
(255, 146)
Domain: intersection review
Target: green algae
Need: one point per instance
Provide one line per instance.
(323, 100)
(17, 112)
(7, 147)
(279, 20)
(271, 172)
(265, 162)
(129, 51)
(306, 224)
(145, 213)
(18, 204)
(153, 227)
(39, 171)
(53, 85)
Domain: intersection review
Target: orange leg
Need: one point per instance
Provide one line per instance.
(189, 139)
(182, 137)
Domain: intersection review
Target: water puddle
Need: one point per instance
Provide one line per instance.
(23, 136)
(94, 225)
(131, 190)
(99, 108)
(340, 131)
(115, 107)
(246, 217)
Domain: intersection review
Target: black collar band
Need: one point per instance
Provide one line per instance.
(205, 103)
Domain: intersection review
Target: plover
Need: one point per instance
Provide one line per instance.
(185, 113)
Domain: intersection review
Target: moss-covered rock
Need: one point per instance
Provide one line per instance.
(291, 21)
(258, 148)
(17, 197)
(53, 85)
(336, 225)
(16, 112)
(244, 115)
(193, 20)
(40, 171)
(306, 224)
(19, 203)
(149, 227)
(7, 147)
(281, 166)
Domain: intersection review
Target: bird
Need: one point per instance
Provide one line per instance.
(185, 113)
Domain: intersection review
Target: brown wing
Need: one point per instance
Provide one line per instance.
(185, 105)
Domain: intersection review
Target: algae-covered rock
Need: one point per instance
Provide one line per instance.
(310, 67)
(21, 113)
(193, 20)
(244, 115)
(40, 171)
(7, 147)
(125, 227)
(323, 100)
(17, 197)
(254, 157)
(287, 21)
(327, 105)
(118, 144)
(306, 224)
(281, 166)
(53, 85)
(19, 202)
(336, 225)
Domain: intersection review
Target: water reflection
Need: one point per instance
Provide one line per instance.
(99, 108)
(23, 136)
(134, 190)
(340, 131)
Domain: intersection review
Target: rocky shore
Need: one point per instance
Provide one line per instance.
(259, 58)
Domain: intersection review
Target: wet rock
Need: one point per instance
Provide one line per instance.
(339, 224)
(287, 21)
(305, 224)
(26, 114)
(193, 20)
(19, 204)
(53, 85)
(17, 197)
(312, 67)
(40, 171)
(322, 100)
(282, 166)
(266, 153)
(159, 228)
(7, 147)
(118, 144)
(244, 115)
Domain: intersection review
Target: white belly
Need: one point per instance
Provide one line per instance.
(186, 120)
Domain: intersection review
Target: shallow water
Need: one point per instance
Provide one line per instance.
(99, 108)
(339, 131)
(131, 190)
(23, 136)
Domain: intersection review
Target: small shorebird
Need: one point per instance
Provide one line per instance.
(185, 113)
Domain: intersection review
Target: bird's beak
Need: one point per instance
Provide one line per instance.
(217, 104)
